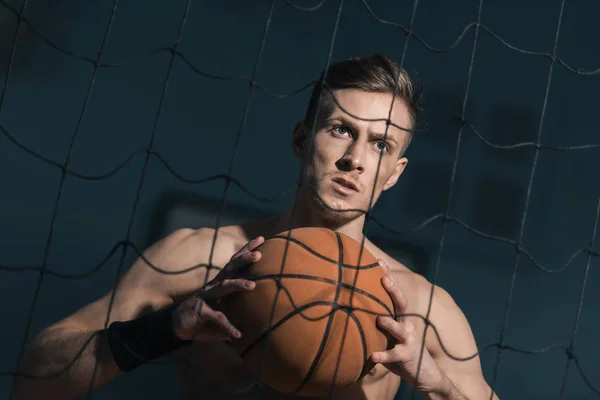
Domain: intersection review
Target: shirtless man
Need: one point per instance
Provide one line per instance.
(156, 314)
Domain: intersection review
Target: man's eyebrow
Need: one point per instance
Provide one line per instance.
(340, 119)
(377, 135)
(382, 136)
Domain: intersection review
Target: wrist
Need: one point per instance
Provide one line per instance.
(144, 339)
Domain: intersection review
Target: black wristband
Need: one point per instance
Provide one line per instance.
(136, 342)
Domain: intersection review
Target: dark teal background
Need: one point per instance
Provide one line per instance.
(201, 118)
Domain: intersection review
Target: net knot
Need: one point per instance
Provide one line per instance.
(569, 352)
(518, 248)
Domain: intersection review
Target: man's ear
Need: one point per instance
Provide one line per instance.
(299, 140)
(400, 165)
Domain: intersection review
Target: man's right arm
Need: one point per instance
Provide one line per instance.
(68, 359)
(73, 355)
(78, 354)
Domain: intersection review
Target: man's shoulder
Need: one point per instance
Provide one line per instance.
(224, 240)
(183, 257)
(187, 246)
(400, 271)
(419, 290)
(423, 291)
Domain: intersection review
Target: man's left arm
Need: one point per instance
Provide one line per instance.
(455, 350)
(440, 371)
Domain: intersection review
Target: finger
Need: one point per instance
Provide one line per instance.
(250, 246)
(254, 243)
(236, 264)
(386, 270)
(399, 330)
(386, 267)
(395, 293)
(221, 321)
(392, 356)
(245, 256)
(228, 286)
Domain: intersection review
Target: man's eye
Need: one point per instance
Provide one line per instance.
(342, 130)
(381, 146)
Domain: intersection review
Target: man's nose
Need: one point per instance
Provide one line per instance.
(352, 159)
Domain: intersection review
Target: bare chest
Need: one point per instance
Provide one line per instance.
(213, 370)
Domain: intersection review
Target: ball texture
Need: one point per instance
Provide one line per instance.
(312, 315)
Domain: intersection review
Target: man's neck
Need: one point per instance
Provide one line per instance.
(304, 218)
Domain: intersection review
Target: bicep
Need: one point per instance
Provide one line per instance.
(144, 287)
(120, 305)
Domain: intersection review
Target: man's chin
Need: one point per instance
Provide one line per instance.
(337, 211)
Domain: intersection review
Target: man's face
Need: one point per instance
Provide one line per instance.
(342, 170)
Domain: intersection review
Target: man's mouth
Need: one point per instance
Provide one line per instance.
(346, 184)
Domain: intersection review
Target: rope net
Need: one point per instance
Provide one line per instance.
(175, 56)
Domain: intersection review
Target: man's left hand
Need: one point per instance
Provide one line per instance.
(409, 354)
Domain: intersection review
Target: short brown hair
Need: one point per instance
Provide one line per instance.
(375, 73)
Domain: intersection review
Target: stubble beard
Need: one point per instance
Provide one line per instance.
(332, 211)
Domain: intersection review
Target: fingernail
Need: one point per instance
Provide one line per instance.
(249, 285)
(387, 281)
(237, 334)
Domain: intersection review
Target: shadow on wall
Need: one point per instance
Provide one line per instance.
(35, 12)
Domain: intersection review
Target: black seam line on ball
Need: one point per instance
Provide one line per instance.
(362, 336)
(322, 257)
(328, 313)
(281, 322)
(334, 307)
(279, 277)
(348, 311)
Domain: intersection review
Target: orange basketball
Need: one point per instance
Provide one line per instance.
(322, 318)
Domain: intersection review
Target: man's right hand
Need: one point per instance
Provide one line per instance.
(196, 319)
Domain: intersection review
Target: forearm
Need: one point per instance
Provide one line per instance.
(447, 390)
(454, 394)
(64, 364)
